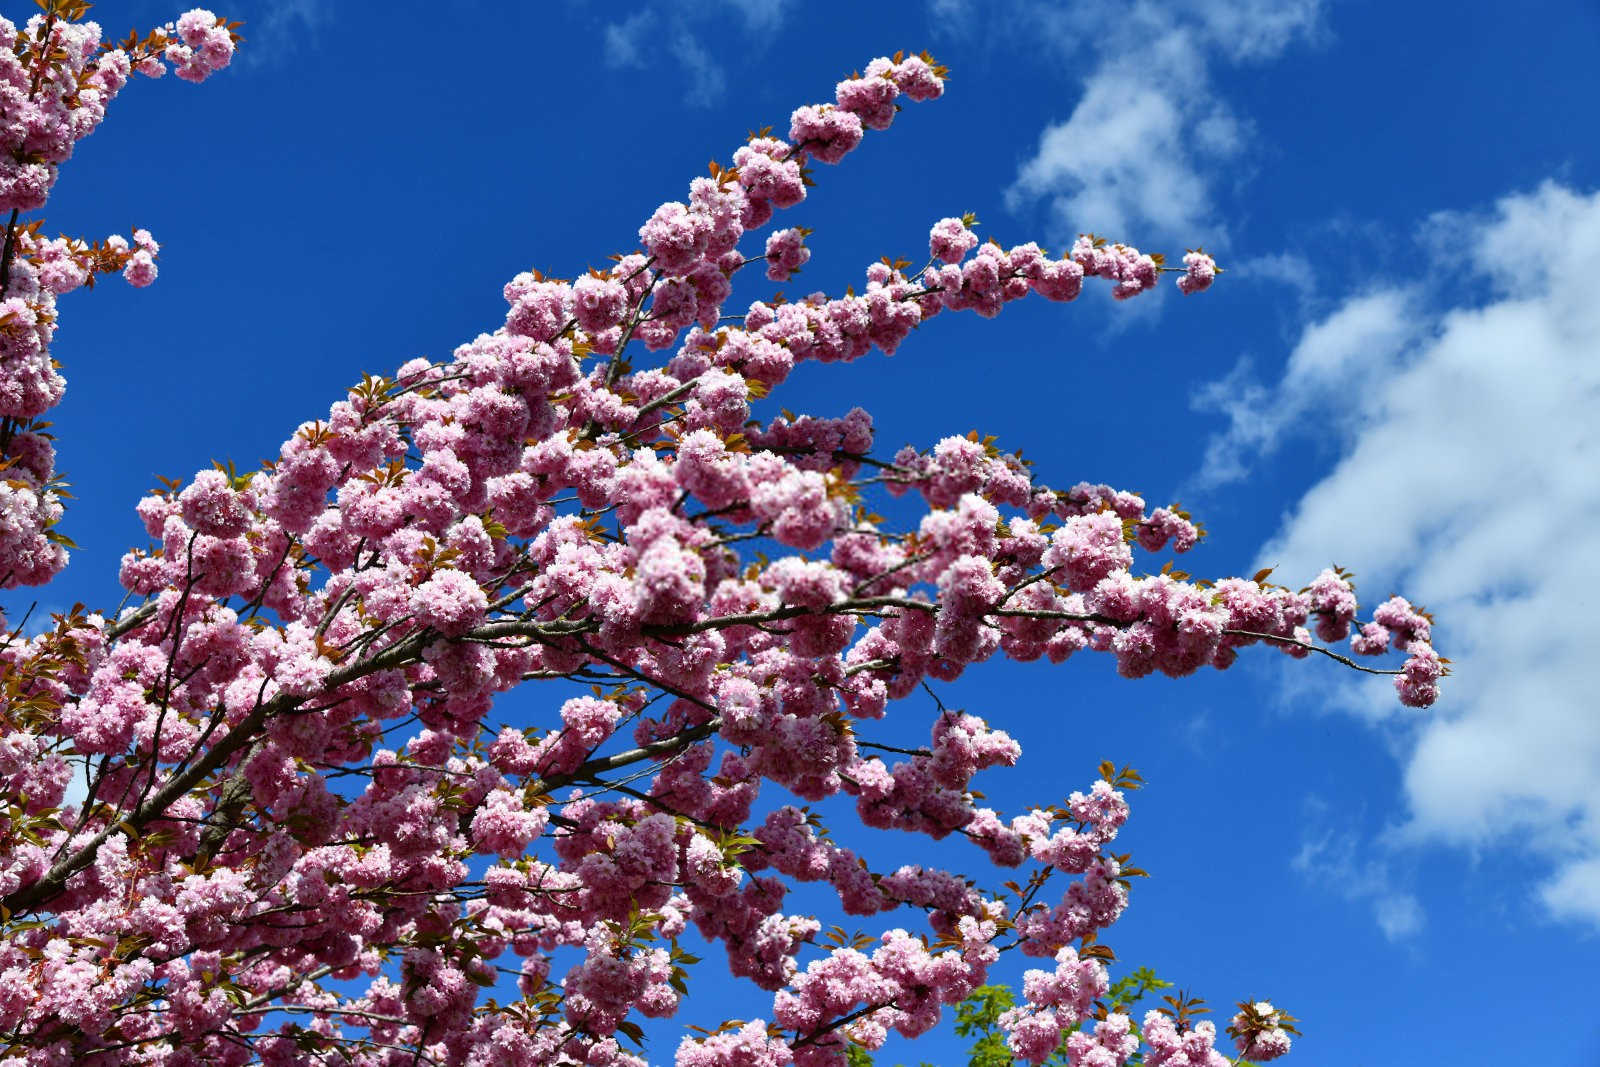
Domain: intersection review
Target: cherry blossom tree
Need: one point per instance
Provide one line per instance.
(261, 813)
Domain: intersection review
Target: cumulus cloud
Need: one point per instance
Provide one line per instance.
(1336, 358)
(1120, 161)
(1468, 429)
(672, 29)
(1146, 142)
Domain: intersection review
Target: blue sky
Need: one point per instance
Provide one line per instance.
(1398, 373)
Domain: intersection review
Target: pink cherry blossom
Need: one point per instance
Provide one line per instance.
(305, 799)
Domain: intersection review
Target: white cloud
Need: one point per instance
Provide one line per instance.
(1469, 479)
(1118, 164)
(1139, 154)
(1326, 374)
(1575, 892)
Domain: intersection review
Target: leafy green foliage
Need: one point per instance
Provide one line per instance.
(856, 1056)
(979, 1015)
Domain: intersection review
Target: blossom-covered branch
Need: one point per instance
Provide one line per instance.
(551, 505)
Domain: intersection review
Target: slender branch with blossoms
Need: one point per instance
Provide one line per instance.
(552, 505)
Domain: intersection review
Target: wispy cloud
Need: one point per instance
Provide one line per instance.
(760, 14)
(625, 41)
(674, 29)
(706, 80)
(1341, 864)
(951, 14)
(277, 30)
(1467, 430)
(1282, 269)
(1246, 30)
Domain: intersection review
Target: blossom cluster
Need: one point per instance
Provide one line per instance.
(537, 507)
(56, 80)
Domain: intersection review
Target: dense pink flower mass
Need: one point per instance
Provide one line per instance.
(56, 80)
(303, 841)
